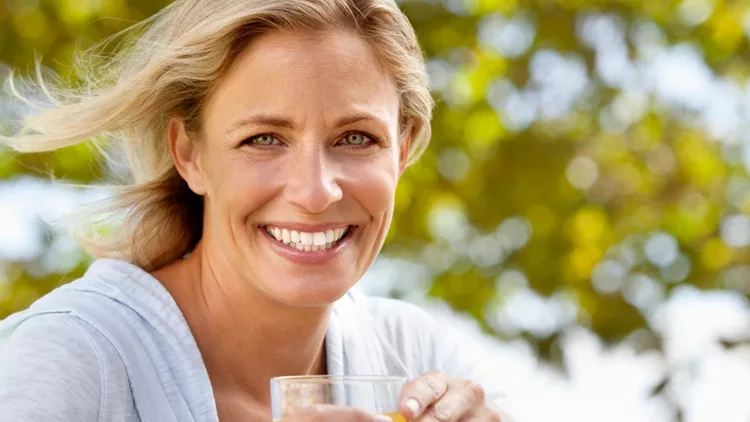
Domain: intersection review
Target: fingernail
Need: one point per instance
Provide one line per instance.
(413, 405)
(383, 418)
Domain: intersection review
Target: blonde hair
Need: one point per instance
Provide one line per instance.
(170, 66)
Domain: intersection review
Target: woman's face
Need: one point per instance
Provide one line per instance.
(298, 161)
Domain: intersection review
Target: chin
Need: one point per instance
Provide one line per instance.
(312, 300)
(310, 292)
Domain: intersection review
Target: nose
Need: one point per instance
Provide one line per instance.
(312, 182)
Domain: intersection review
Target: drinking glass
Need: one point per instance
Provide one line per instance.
(374, 394)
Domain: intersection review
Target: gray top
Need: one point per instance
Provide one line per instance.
(113, 346)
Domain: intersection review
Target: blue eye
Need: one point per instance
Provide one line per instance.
(357, 139)
(264, 140)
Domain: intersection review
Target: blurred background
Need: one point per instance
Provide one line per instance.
(582, 215)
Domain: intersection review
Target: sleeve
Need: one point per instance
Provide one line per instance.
(50, 371)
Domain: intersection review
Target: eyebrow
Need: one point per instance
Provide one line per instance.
(261, 120)
(281, 122)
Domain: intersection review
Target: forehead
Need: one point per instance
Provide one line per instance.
(303, 75)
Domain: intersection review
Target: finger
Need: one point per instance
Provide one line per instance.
(459, 403)
(422, 392)
(330, 413)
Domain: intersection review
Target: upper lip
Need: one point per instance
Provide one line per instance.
(307, 227)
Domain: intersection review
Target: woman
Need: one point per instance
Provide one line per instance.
(266, 139)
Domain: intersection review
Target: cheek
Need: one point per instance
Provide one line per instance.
(239, 187)
(372, 184)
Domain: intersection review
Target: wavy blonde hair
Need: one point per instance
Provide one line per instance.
(170, 65)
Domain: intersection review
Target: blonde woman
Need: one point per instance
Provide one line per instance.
(266, 139)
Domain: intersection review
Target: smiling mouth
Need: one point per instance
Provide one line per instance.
(309, 241)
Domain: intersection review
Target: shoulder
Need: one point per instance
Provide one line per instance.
(410, 330)
(40, 361)
(426, 343)
(405, 324)
(397, 313)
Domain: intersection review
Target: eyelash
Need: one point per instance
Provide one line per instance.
(373, 140)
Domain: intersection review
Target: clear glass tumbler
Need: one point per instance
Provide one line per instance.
(375, 394)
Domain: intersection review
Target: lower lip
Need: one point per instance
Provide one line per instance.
(308, 257)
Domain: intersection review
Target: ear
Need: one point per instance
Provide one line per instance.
(405, 149)
(186, 156)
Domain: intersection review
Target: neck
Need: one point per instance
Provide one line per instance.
(245, 338)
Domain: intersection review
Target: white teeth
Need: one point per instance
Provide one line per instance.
(306, 238)
(308, 241)
(319, 238)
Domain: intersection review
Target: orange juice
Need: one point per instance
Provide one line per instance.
(396, 416)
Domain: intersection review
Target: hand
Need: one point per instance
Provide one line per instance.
(328, 413)
(440, 397)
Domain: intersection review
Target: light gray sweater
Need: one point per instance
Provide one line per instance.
(113, 346)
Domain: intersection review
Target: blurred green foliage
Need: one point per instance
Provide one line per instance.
(568, 204)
